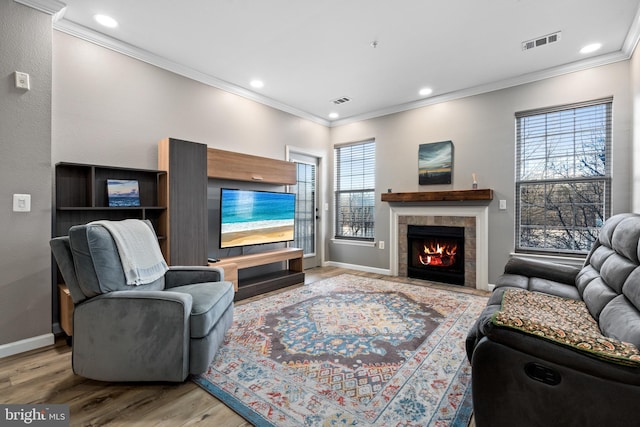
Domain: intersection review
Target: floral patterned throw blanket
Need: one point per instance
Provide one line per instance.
(564, 321)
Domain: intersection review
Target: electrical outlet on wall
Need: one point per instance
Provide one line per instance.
(381, 244)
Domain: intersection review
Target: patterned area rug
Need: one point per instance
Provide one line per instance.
(348, 351)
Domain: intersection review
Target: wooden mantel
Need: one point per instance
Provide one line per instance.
(440, 196)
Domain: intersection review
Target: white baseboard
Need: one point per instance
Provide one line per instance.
(356, 267)
(25, 345)
(491, 287)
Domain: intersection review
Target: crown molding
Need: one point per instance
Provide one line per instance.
(490, 87)
(625, 53)
(54, 8)
(94, 37)
(631, 41)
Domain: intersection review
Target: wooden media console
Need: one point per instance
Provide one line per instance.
(245, 288)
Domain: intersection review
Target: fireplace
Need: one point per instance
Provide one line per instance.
(436, 253)
(475, 221)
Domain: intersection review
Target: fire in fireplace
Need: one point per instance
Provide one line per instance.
(436, 253)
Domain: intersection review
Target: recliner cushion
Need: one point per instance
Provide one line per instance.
(564, 321)
(97, 262)
(553, 288)
(621, 320)
(210, 301)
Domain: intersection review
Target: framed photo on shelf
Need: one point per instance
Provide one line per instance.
(123, 192)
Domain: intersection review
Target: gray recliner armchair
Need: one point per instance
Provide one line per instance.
(158, 331)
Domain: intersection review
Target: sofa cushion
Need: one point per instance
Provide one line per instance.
(536, 284)
(565, 321)
(553, 288)
(611, 267)
(620, 319)
(210, 301)
(531, 267)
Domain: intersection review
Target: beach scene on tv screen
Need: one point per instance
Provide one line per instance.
(255, 217)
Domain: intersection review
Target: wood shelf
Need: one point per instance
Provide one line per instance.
(246, 167)
(248, 287)
(439, 196)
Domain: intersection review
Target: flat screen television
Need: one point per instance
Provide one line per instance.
(250, 217)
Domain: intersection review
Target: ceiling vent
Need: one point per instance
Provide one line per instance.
(542, 41)
(341, 100)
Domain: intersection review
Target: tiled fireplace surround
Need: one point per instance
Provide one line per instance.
(473, 218)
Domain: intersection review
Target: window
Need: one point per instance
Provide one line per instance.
(354, 184)
(563, 176)
(305, 224)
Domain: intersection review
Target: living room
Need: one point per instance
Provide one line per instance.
(83, 109)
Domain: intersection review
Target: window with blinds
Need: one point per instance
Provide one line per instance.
(354, 186)
(563, 176)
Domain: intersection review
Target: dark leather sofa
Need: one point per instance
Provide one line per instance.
(521, 379)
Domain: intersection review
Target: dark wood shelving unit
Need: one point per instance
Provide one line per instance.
(185, 222)
(81, 197)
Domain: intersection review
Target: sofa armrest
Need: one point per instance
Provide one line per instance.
(180, 275)
(562, 355)
(125, 335)
(536, 383)
(542, 269)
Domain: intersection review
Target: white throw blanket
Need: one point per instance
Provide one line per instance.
(139, 251)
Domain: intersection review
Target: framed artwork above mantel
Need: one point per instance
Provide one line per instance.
(435, 163)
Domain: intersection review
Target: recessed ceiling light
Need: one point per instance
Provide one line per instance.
(334, 115)
(105, 20)
(425, 91)
(590, 48)
(257, 84)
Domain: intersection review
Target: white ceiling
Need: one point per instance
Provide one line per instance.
(309, 53)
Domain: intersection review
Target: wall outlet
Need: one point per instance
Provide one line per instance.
(381, 244)
(503, 205)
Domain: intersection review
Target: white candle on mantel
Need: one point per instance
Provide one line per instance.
(475, 183)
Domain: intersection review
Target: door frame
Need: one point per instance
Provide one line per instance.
(323, 207)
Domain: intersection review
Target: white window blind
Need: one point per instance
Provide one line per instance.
(563, 176)
(354, 186)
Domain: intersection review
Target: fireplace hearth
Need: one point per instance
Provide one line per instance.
(474, 219)
(436, 253)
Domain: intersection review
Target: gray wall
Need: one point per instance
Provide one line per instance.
(98, 122)
(25, 167)
(482, 129)
(111, 109)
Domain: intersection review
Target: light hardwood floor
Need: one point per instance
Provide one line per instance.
(45, 376)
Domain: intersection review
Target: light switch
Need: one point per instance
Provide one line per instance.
(22, 202)
(22, 80)
(503, 205)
